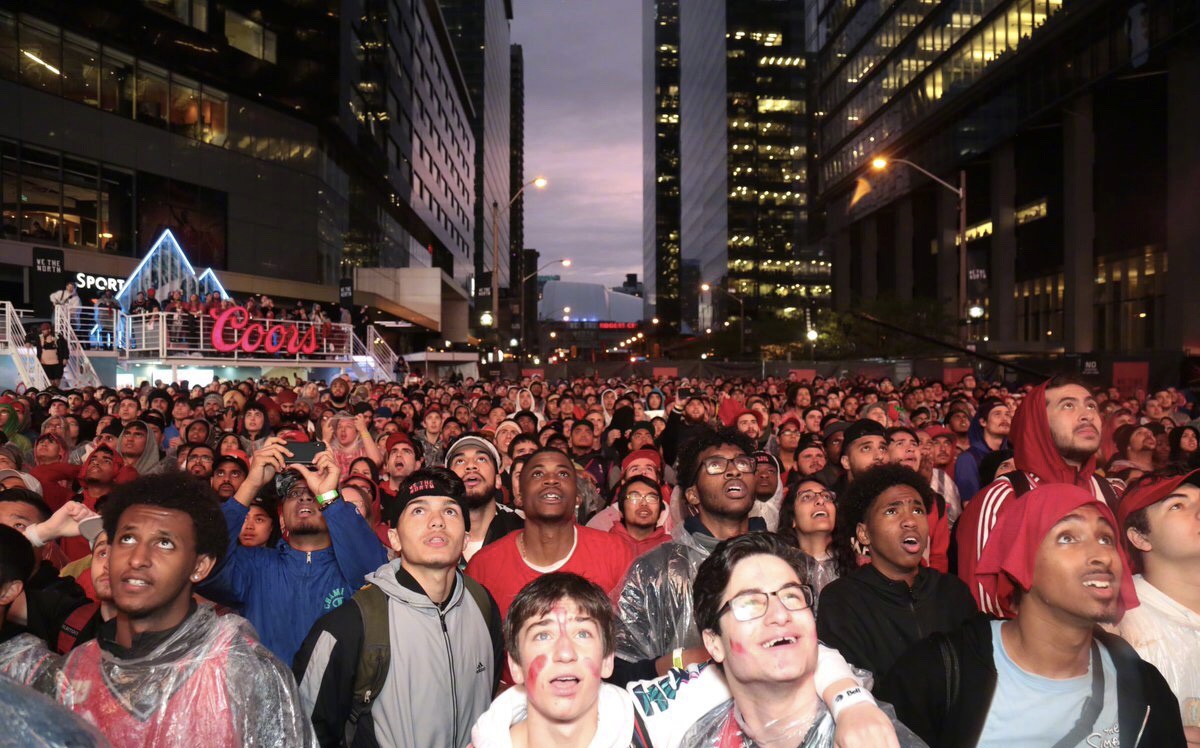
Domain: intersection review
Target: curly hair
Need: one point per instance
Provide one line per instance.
(854, 505)
(689, 455)
(177, 491)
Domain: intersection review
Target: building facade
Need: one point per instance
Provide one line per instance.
(730, 91)
(1072, 125)
(480, 32)
(261, 135)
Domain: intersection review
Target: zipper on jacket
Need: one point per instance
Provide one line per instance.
(453, 677)
(309, 554)
(912, 608)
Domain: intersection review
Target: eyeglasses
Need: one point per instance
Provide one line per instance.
(789, 432)
(297, 492)
(635, 498)
(717, 464)
(750, 606)
(205, 459)
(810, 497)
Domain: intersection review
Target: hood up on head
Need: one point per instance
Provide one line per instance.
(1033, 446)
(1008, 558)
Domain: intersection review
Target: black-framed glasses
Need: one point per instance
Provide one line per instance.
(810, 497)
(752, 605)
(717, 464)
(298, 492)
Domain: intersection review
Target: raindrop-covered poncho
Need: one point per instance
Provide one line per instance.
(209, 683)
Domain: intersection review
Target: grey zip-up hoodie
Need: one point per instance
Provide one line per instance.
(440, 679)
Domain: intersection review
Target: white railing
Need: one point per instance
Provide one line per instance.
(15, 343)
(381, 354)
(79, 371)
(158, 335)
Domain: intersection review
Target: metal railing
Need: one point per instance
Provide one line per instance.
(381, 354)
(95, 328)
(79, 371)
(184, 335)
(14, 341)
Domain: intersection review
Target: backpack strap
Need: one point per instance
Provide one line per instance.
(1020, 483)
(68, 633)
(1108, 492)
(479, 595)
(375, 656)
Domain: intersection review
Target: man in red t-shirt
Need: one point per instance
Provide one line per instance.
(551, 540)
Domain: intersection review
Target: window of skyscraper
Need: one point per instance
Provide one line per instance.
(249, 36)
(81, 70)
(39, 61)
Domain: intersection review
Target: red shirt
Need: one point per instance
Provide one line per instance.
(597, 557)
(638, 547)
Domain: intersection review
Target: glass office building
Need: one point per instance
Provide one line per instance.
(480, 34)
(729, 159)
(1072, 123)
(264, 135)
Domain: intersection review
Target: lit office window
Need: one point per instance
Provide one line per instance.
(185, 107)
(249, 36)
(117, 83)
(214, 115)
(152, 95)
(39, 60)
(81, 70)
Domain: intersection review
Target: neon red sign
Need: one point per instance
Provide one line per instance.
(253, 336)
(618, 325)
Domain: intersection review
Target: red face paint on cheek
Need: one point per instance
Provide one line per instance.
(737, 646)
(535, 669)
(592, 666)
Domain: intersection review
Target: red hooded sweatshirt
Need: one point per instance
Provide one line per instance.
(1038, 458)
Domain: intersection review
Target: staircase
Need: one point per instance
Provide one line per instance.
(79, 371)
(373, 359)
(24, 356)
(381, 354)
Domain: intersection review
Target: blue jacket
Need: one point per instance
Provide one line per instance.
(283, 591)
(966, 467)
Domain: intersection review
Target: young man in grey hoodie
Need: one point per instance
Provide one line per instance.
(443, 648)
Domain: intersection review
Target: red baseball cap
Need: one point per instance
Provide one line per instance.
(1149, 492)
(934, 430)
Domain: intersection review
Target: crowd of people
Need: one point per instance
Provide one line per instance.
(189, 316)
(642, 562)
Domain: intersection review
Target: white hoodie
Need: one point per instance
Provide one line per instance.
(614, 729)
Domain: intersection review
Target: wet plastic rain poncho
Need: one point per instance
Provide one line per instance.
(722, 728)
(25, 659)
(32, 719)
(208, 683)
(1166, 634)
(654, 608)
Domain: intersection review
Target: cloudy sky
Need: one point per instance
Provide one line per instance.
(583, 133)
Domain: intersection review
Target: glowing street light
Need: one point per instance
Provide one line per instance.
(879, 163)
(811, 335)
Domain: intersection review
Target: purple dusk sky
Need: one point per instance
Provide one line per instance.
(583, 115)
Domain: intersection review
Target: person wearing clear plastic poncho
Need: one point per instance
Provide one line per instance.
(167, 671)
(656, 634)
(758, 626)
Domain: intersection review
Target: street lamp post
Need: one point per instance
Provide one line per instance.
(706, 287)
(565, 262)
(540, 182)
(880, 163)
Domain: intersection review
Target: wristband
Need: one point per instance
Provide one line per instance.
(327, 498)
(33, 536)
(852, 696)
(677, 658)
